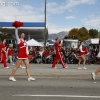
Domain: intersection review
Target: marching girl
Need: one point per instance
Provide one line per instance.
(98, 70)
(58, 55)
(3, 53)
(21, 56)
(81, 56)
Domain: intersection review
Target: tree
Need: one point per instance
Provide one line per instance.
(5, 33)
(93, 33)
(74, 32)
(83, 34)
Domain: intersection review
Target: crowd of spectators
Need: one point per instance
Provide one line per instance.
(38, 55)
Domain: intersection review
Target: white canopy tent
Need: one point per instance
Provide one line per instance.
(33, 42)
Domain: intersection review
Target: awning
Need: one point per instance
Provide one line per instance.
(33, 42)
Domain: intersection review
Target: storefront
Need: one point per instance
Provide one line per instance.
(35, 30)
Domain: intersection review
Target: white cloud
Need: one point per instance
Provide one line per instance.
(53, 28)
(27, 7)
(8, 0)
(88, 1)
(54, 8)
(21, 12)
(69, 5)
(70, 17)
(92, 21)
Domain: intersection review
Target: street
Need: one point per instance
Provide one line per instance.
(54, 86)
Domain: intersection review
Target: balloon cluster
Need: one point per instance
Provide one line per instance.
(17, 24)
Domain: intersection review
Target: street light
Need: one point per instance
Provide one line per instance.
(45, 24)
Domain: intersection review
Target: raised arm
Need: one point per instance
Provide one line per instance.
(17, 37)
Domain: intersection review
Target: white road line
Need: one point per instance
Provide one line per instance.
(65, 96)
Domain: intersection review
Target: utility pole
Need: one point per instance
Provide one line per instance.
(45, 24)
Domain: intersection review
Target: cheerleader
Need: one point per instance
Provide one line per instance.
(81, 56)
(98, 70)
(21, 56)
(3, 53)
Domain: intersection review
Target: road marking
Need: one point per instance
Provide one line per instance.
(65, 96)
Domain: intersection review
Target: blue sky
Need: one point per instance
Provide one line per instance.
(62, 15)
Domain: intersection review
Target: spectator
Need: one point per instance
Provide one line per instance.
(45, 54)
(10, 54)
(67, 57)
(38, 58)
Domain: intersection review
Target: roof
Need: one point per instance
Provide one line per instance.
(92, 41)
(35, 29)
(25, 24)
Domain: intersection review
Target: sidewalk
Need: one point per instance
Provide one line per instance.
(45, 70)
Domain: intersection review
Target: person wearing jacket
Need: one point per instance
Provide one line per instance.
(58, 55)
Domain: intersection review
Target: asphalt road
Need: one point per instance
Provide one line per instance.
(50, 84)
(49, 88)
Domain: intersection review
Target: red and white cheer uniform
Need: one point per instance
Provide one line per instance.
(22, 48)
(85, 51)
(3, 54)
(22, 52)
(58, 56)
(81, 52)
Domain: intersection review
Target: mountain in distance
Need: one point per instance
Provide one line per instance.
(59, 35)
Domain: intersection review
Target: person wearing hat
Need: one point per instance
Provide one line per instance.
(58, 55)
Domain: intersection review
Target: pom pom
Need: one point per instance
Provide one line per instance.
(17, 24)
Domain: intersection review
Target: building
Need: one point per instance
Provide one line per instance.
(71, 43)
(35, 30)
(93, 43)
